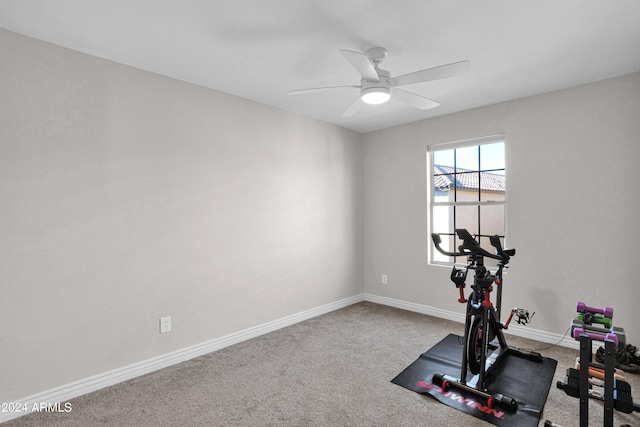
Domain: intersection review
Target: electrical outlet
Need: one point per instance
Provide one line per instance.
(165, 324)
(384, 279)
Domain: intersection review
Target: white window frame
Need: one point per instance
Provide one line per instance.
(490, 139)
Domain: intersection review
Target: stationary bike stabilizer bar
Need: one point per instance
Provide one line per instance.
(445, 382)
(470, 246)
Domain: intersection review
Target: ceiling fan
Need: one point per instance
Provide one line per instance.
(377, 85)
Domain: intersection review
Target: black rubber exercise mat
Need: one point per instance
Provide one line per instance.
(526, 381)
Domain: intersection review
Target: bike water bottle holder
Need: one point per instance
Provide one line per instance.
(458, 276)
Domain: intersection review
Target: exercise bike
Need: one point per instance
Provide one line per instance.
(480, 354)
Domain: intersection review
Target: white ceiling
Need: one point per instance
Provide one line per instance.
(262, 49)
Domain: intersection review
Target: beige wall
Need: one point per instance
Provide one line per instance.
(127, 196)
(573, 162)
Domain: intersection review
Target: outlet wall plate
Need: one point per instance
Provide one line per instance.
(165, 324)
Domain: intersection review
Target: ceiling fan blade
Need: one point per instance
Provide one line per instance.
(361, 63)
(435, 73)
(413, 99)
(353, 108)
(320, 89)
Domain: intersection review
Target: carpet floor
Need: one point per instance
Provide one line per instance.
(332, 370)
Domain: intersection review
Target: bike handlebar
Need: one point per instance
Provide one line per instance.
(495, 242)
(470, 246)
(437, 241)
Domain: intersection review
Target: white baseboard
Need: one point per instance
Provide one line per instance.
(416, 308)
(86, 385)
(517, 330)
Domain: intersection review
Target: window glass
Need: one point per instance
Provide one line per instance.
(492, 186)
(492, 158)
(468, 190)
(466, 159)
(443, 158)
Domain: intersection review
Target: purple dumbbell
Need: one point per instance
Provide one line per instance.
(606, 312)
(599, 337)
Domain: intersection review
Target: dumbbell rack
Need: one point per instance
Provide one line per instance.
(617, 393)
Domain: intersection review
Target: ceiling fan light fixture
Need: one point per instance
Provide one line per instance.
(376, 95)
(377, 85)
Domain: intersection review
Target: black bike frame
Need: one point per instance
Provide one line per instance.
(479, 304)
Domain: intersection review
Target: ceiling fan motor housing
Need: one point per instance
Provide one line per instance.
(376, 92)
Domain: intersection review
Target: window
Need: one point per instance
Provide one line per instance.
(467, 184)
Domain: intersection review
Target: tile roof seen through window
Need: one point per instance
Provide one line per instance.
(464, 178)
